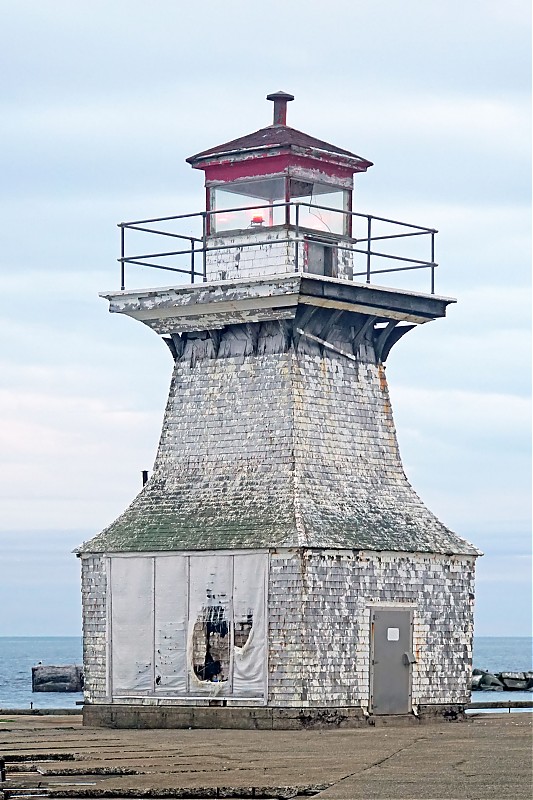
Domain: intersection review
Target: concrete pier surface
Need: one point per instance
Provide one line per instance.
(489, 756)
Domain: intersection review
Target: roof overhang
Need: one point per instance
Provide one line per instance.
(353, 163)
(211, 306)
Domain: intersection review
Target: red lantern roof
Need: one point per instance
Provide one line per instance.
(279, 139)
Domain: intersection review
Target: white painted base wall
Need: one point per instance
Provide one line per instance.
(311, 639)
(267, 252)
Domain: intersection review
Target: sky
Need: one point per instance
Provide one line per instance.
(100, 104)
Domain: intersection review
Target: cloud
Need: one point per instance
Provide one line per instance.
(124, 46)
(489, 419)
(102, 102)
(40, 583)
(503, 595)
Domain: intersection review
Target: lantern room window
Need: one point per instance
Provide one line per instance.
(248, 204)
(323, 207)
(258, 198)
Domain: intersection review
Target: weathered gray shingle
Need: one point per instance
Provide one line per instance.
(291, 448)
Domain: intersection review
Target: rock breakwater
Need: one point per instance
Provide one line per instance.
(485, 681)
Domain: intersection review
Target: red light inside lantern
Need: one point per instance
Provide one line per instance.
(257, 220)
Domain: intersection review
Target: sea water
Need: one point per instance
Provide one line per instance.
(503, 654)
(18, 654)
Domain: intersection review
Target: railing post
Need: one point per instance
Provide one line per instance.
(192, 260)
(432, 262)
(204, 245)
(297, 235)
(122, 269)
(369, 236)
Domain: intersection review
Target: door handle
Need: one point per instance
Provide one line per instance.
(408, 658)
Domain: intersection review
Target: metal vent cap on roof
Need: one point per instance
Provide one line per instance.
(280, 100)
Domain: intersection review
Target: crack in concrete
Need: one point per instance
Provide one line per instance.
(400, 750)
(377, 763)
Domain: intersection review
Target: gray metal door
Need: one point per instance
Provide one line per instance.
(321, 259)
(391, 660)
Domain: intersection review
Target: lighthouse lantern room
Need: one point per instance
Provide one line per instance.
(281, 185)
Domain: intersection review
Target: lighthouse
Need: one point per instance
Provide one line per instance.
(277, 569)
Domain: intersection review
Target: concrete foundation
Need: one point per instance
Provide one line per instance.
(253, 718)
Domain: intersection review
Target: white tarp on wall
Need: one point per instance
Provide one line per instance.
(249, 621)
(170, 623)
(189, 625)
(209, 645)
(132, 625)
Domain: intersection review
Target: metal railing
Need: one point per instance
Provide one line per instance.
(202, 244)
(499, 705)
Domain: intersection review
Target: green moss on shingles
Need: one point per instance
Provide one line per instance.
(149, 525)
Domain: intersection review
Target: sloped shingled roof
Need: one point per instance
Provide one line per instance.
(276, 136)
(172, 516)
(262, 464)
